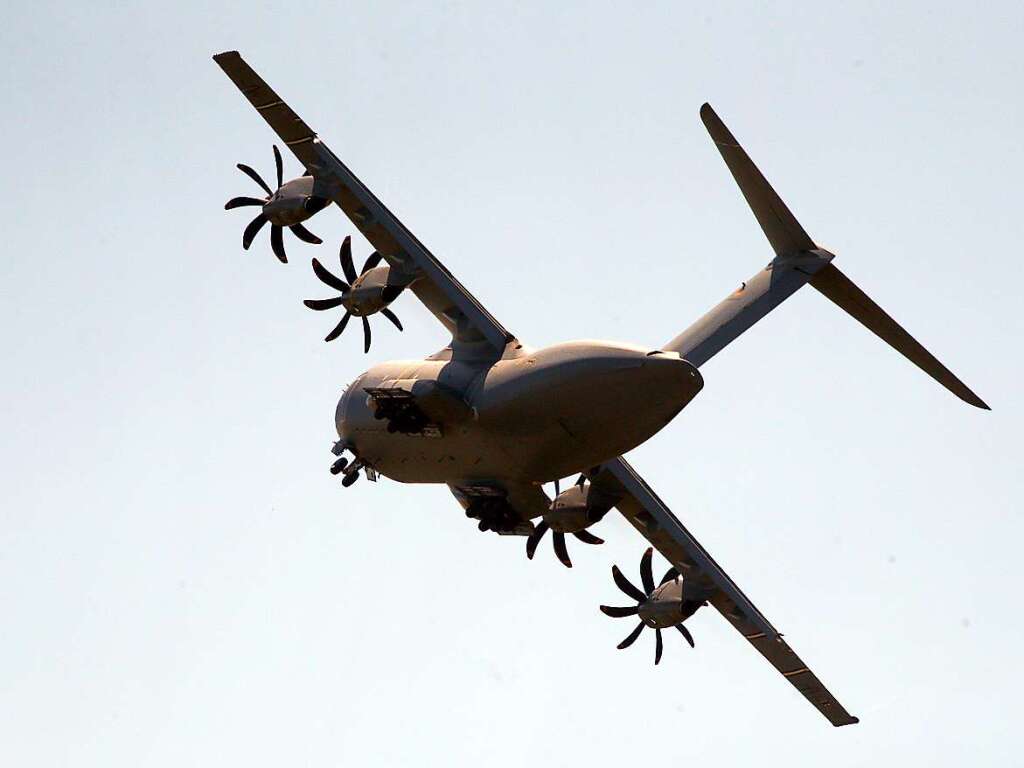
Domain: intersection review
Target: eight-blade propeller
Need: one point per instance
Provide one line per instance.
(558, 537)
(311, 205)
(657, 611)
(349, 270)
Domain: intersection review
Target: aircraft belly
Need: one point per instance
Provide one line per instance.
(454, 456)
(532, 419)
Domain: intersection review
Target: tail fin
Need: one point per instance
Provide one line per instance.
(797, 261)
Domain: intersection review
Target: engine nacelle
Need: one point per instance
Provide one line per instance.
(371, 292)
(294, 202)
(575, 509)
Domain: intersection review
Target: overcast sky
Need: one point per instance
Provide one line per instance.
(183, 583)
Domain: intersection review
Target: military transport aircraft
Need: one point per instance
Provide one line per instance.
(495, 419)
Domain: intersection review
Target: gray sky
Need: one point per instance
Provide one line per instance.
(183, 583)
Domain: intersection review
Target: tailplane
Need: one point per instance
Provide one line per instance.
(797, 261)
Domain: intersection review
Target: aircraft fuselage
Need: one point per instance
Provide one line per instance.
(533, 416)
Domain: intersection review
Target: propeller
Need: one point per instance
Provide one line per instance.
(345, 287)
(558, 537)
(254, 226)
(647, 604)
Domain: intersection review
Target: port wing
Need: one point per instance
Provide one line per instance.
(428, 278)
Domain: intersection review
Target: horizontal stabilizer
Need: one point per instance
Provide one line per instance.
(797, 261)
(780, 226)
(841, 290)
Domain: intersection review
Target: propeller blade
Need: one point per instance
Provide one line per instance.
(239, 202)
(328, 278)
(277, 243)
(658, 646)
(371, 261)
(670, 575)
(587, 537)
(645, 571)
(250, 231)
(631, 638)
(338, 328)
(558, 539)
(304, 234)
(280, 166)
(556, 487)
(392, 317)
(255, 177)
(618, 613)
(535, 537)
(347, 267)
(321, 304)
(624, 584)
(686, 633)
(581, 480)
(366, 334)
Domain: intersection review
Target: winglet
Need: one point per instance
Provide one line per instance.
(780, 226)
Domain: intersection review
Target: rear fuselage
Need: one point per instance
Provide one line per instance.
(533, 416)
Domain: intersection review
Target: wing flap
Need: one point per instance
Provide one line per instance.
(639, 504)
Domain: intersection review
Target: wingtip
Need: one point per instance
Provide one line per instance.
(708, 116)
(718, 130)
(971, 399)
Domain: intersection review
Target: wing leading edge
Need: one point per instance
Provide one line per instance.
(640, 505)
(432, 283)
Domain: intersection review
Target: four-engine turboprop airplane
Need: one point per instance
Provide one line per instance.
(495, 419)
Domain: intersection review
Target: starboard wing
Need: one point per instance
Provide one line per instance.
(639, 504)
(432, 283)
